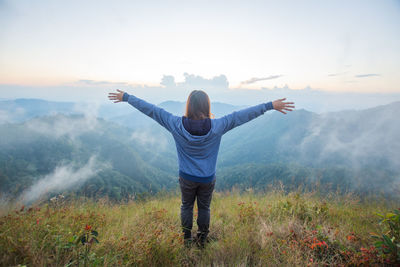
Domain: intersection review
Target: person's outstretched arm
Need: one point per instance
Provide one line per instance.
(240, 117)
(164, 118)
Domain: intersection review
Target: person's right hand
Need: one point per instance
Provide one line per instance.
(281, 106)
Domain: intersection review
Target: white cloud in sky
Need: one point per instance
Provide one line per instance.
(254, 79)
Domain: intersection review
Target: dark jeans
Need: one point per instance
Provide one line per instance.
(190, 191)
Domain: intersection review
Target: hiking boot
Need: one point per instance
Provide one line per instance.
(188, 242)
(187, 238)
(201, 239)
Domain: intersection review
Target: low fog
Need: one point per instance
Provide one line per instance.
(62, 178)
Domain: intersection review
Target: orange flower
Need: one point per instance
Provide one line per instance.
(88, 227)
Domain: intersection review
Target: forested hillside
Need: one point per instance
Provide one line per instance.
(127, 155)
(102, 157)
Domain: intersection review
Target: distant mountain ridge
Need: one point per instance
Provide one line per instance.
(354, 149)
(22, 109)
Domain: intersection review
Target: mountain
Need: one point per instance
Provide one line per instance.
(367, 137)
(362, 147)
(121, 155)
(59, 148)
(20, 110)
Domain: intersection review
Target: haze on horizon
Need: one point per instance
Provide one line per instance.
(68, 50)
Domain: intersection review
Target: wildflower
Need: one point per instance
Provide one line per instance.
(88, 227)
(37, 221)
(311, 260)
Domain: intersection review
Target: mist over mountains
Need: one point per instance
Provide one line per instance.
(114, 150)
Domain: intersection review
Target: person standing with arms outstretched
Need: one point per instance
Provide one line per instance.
(197, 137)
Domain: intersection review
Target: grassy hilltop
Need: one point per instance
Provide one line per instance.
(272, 229)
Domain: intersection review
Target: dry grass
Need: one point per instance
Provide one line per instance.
(248, 229)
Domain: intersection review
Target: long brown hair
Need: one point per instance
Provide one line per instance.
(198, 106)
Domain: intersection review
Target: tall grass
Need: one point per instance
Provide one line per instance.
(247, 229)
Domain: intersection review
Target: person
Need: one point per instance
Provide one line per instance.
(197, 136)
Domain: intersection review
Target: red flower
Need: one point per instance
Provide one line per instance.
(88, 227)
(270, 233)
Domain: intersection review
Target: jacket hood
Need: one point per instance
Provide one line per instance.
(196, 130)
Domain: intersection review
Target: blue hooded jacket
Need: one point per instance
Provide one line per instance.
(197, 154)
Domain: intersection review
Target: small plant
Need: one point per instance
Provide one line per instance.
(248, 211)
(85, 241)
(389, 242)
(57, 201)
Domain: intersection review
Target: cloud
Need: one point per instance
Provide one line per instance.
(9, 116)
(59, 126)
(62, 178)
(154, 140)
(193, 82)
(85, 82)
(62, 125)
(253, 80)
(367, 75)
(360, 140)
(168, 81)
(196, 81)
(337, 74)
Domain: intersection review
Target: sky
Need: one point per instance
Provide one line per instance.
(52, 48)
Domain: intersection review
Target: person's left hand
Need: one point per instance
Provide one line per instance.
(116, 97)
